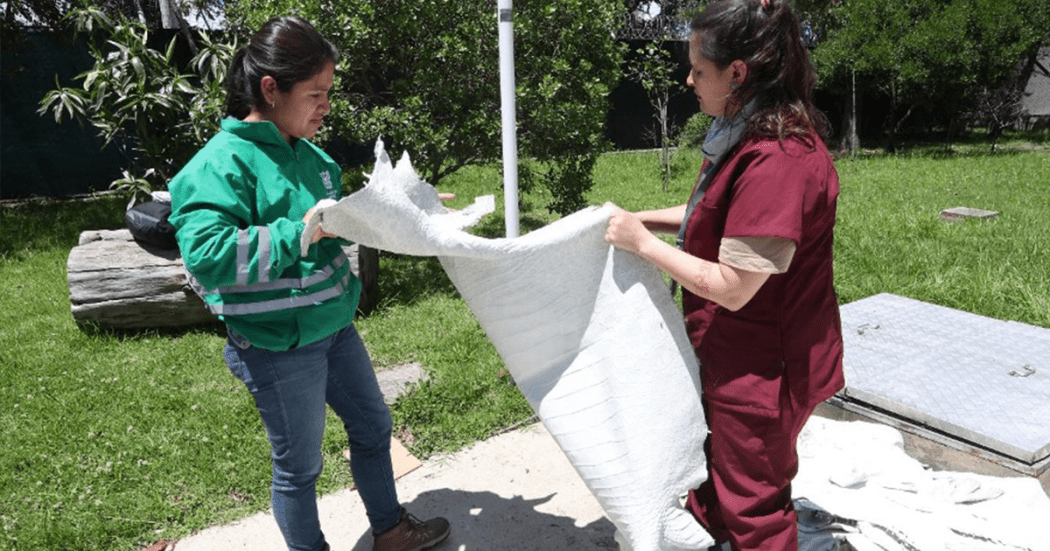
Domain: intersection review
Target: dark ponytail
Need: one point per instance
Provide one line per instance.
(286, 48)
(767, 37)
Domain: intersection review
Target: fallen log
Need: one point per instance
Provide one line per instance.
(117, 282)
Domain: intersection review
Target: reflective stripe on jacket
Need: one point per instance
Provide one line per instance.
(238, 207)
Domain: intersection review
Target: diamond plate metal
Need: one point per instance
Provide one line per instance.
(976, 378)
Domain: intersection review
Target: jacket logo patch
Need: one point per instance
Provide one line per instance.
(327, 179)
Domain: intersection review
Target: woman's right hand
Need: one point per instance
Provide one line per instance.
(626, 230)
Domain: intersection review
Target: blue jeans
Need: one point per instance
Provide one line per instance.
(290, 389)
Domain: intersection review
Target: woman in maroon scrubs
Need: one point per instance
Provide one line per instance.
(755, 262)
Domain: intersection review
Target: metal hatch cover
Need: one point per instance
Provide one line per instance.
(974, 378)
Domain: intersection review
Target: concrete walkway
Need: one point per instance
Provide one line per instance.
(513, 491)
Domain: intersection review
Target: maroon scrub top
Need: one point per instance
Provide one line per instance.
(786, 342)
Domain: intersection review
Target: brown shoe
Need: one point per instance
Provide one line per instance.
(412, 534)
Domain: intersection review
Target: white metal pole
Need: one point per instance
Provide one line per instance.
(509, 119)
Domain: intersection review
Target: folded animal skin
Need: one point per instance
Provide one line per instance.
(590, 334)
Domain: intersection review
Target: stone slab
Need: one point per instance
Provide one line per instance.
(956, 213)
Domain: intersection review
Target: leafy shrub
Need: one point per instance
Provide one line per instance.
(157, 113)
(693, 132)
(424, 75)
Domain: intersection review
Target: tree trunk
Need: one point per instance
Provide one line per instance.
(850, 133)
(665, 145)
(116, 282)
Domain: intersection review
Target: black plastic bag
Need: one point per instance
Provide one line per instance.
(148, 223)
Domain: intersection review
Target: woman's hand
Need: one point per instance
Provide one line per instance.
(626, 231)
(319, 233)
(728, 286)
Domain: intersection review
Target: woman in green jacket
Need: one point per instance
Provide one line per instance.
(239, 207)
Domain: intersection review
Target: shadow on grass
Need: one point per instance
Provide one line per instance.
(973, 143)
(406, 280)
(217, 328)
(948, 152)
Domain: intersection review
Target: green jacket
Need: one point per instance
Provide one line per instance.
(238, 207)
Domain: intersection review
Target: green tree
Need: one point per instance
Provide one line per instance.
(652, 67)
(994, 99)
(932, 55)
(139, 98)
(51, 14)
(424, 75)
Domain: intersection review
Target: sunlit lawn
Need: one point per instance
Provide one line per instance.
(114, 441)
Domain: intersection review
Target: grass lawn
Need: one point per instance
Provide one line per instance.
(889, 237)
(113, 441)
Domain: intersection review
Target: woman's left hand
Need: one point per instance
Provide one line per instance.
(318, 233)
(626, 231)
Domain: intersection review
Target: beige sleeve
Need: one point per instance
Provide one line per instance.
(768, 255)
